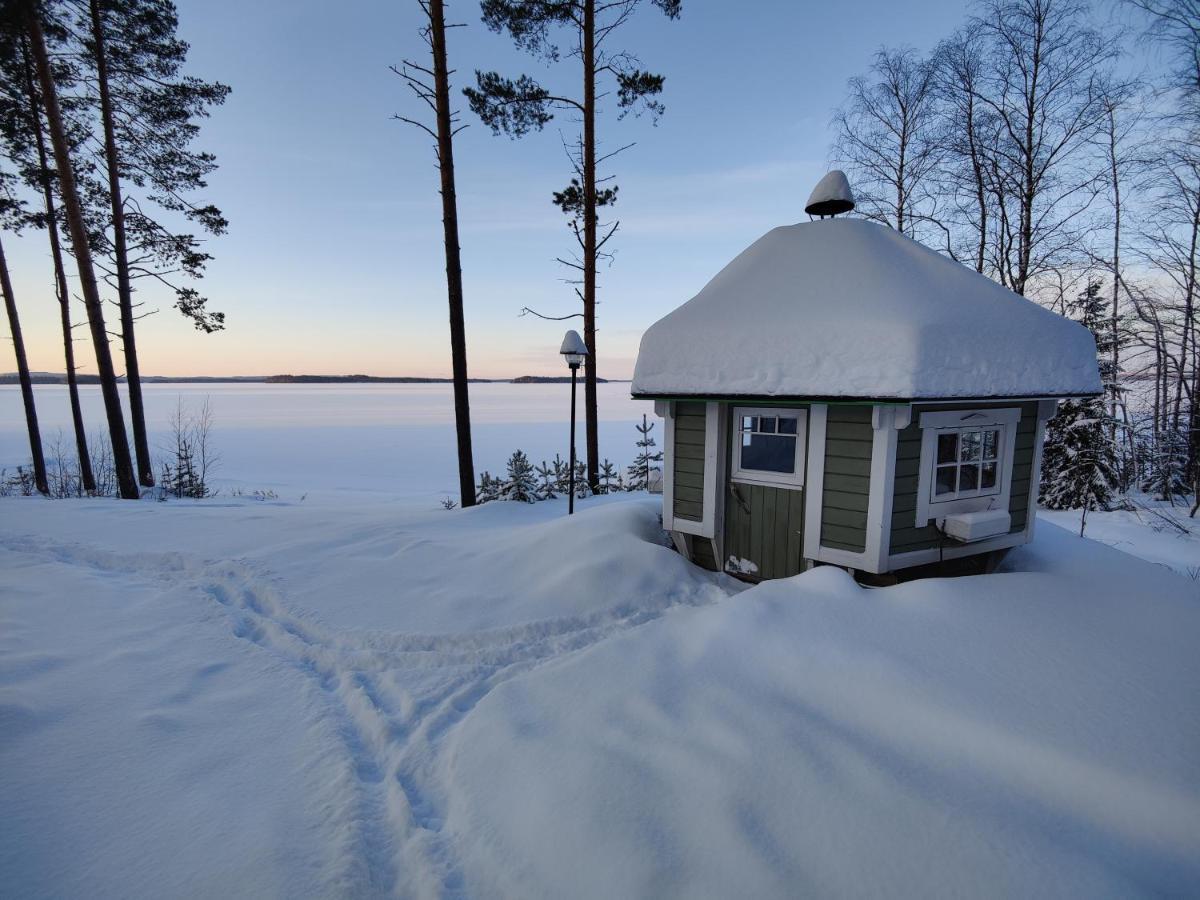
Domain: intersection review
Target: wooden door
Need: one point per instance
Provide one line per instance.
(763, 530)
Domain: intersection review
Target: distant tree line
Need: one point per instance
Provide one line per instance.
(1018, 148)
(98, 121)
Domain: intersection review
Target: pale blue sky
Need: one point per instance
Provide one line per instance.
(333, 262)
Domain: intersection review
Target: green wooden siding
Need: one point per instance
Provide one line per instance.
(688, 489)
(905, 536)
(848, 439)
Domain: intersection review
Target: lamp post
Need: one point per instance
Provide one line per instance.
(574, 351)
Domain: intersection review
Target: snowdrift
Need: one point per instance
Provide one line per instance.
(248, 699)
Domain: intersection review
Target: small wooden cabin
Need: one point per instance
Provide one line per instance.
(841, 394)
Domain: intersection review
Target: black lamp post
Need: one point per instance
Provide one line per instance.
(574, 351)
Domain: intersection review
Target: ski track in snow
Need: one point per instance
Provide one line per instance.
(391, 698)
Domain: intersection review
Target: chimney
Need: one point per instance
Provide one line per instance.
(831, 196)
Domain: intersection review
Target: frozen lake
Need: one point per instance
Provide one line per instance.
(392, 439)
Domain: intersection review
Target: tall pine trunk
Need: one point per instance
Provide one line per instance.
(122, 464)
(31, 421)
(589, 244)
(454, 288)
(86, 477)
(133, 376)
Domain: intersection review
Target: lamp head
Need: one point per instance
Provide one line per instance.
(573, 349)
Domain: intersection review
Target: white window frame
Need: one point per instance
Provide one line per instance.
(935, 423)
(793, 479)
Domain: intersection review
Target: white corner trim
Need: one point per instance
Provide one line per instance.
(668, 492)
(883, 479)
(930, 422)
(712, 443)
(1035, 474)
(814, 479)
(721, 446)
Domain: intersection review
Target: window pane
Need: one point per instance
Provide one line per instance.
(968, 477)
(769, 453)
(990, 442)
(747, 438)
(972, 441)
(947, 447)
(747, 423)
(945, 481)
(987, 476)
(766, 424)
(787, 425)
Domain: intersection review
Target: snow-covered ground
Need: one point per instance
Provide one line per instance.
(1154, 530)
(355, 696)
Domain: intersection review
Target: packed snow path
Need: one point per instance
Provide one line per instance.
(334, 701)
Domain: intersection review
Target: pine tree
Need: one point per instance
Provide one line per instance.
(608, 477)
(562, 473)
(582, 488)
(1079, 461)
(488, 489)
(639, 472)
(517, 106)
(520, 485)
(14, 326)
(433, 87)
(548, 489)
(45, 178)
(32, 22)
(137, 57)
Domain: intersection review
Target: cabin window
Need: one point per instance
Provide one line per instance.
(768, 446)
(966, 461)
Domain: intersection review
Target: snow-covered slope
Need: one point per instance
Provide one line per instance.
(849, 308)
(257, 699)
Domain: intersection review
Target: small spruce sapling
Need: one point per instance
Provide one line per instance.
(582, 489)
(609, 477)
(489, 488)
(548, 489)
(639, 472)
(520, 485)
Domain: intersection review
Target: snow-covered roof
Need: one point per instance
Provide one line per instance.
(849, 308)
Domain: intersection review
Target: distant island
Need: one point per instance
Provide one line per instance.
(60, 378)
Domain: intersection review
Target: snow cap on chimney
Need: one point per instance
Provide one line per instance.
(831, 196)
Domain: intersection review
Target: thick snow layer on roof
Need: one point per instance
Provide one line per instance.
(849, 308)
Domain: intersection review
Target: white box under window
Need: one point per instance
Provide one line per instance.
(976, 526)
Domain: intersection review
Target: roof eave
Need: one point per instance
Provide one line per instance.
(847, 400)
